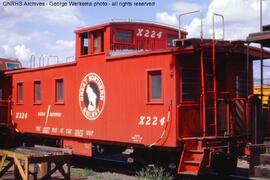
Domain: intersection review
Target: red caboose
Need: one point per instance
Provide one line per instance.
(5, 96)
(131, 87)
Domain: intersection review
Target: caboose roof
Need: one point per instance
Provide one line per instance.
(261, 37)
(8, 60)
(4, 61)
(40, 68)
(107, 24)
(195, 44)
(232, 47)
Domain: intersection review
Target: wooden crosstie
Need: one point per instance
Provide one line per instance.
(22, 157)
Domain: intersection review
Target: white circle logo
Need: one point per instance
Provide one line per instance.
(91, 96)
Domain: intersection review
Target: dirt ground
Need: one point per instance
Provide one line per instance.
(89, 171)
(100, 175)
(79, 174)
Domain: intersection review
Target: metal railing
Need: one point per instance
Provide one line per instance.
(48, 60)
(188, 13)
(213, 25)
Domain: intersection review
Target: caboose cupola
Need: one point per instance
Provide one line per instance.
(117, 38)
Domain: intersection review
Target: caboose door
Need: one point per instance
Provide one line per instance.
(5, 93)
(189, 98)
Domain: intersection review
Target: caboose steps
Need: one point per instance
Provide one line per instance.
(199, 154)
(192, 162)
(192, 157)
(196, 151)
(192, 173)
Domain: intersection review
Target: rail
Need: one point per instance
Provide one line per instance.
(50, 60)
(213, 24)
(188, 13)
(232, 117)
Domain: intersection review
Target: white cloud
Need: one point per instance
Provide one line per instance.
(51, 53)
(10, 37)
(6, 49)
(65, 17)
(167, 18)
(58, 51)
(22, 52)
(241, 17)
(237, 10)
(194, 28)
(177, 8)
(61, 47)
(20, 34)
(65, 44)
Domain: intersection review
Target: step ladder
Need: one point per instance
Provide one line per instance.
(193, 159)
(209, 83)
(209, 88)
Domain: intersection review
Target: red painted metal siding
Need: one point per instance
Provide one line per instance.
(106, 97)
(28, 116)
(127, 115)
(125, 83)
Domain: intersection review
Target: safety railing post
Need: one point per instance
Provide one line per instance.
(180, 25)
(214, 68)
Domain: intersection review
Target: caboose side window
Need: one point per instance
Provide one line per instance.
(20, 93)
(11, 65)
(98, 41)
(123, 36)
(190, 85)
(59, 85)
(37, 92)
(85, 44)
(154, 86)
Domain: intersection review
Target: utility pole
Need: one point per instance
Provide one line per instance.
(261, 83)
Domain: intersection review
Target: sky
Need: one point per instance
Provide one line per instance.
(49, 31)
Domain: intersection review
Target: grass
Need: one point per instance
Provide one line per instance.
(154, 173)
(83, 172)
